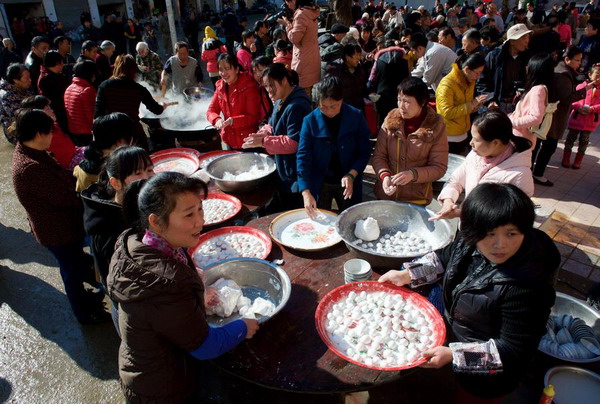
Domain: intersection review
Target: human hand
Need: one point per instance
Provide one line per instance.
(253, 47)
(211, 297)
(348, 185)
(437, 357)
(228, 122)
(219, 124)
(253, 140)
(310, 204)
(449, 210)
(252, 326)
(403, 178)
(493, 105)
(478, 102)
(398, 278)
(388, 188)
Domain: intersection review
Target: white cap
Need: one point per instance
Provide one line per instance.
(517, 31)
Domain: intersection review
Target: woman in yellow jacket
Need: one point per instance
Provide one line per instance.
(455, 101)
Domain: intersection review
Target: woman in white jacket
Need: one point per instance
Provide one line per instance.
(496, 156)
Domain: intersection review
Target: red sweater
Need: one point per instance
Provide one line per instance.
(239, 101)
(62, 147)
(80, 100)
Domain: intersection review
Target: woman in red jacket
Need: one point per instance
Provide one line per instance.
(80, 99)
(235, 107)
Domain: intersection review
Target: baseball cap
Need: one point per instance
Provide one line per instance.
(339, 29)
(517, 31)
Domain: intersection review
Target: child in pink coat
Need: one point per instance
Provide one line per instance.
(584, 120)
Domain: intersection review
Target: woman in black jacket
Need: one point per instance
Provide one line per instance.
(498, 288)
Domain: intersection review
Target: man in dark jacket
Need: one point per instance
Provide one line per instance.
(470, 44)
(39, 46)
(353, 76)
(338, 31)
(103, 58)
(8, 56)
(505, 68)
(389, 70)
(53, 84)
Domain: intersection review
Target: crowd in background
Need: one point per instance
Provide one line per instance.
(401, 88)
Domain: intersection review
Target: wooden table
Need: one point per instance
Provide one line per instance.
(287, 352)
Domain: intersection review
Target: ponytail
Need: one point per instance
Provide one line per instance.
(497, 125)
(521, 143)
(93, 159)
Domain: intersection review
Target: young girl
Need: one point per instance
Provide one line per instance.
(102, 202)
(110, 131)
(584, 119)
(283, 53)
(162, 316)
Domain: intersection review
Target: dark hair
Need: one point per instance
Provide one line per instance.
(181, 44)
(38, 40)
(35, 102)
(432, 36)
(215, 20)
(278, 33)
(329, 87)
(247, 35)
(86, 70)
(304, 3)
(88, 46)
(30, 122)
(120, 164)
(497, 125)
(489, 33)
(473, 61)
(572, 51)
(52, 58)
(491, 205)
(417, 39)
(125, 67)
(595, 23)
(261, 61)
(540, 71)
(158, 196)
(448, 31)
(282, 45)
(258, 25)
(60, 39)
(414, 87)
(472, 35)
(351, 49)
(15, 72)
(278, 72)
(108, 130)
(229, 59)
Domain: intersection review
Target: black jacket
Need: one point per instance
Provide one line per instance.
(34, 64)
(103, 221)
(493, 74)
(53, 86)
(354, 83)
(509, 303)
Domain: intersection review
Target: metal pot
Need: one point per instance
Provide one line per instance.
(198, 93)
(392, 217)
(240, 163)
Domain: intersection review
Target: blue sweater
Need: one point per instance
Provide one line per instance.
(220, 340)
(317, 147)
(286, 120)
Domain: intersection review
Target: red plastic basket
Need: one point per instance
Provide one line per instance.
(439, 328)
(172, 158)
(230, 198)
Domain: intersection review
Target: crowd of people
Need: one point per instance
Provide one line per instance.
(498, 88)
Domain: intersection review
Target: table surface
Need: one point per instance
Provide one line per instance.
(252, 201)
(287, 352)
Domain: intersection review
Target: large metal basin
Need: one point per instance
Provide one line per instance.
(240, 163)
(392, 217)
(566, 304)
(257, 278)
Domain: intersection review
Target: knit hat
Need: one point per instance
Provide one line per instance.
(209, 33)
(517, 31)
(339, 29)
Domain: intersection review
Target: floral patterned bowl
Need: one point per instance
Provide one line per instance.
(294, 229)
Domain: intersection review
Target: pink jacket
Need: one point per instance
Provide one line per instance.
(529, 113)
(589, 121)
(514, 170)
(306, 59)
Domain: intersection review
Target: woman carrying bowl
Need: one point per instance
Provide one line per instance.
(333, 151)
(411, 150)
(162, 316)
(235, 107)
(498, 288)
(281, 135)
